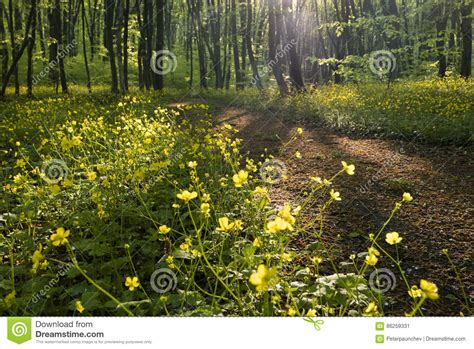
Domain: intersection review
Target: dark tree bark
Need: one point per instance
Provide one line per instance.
(31, 45)
(3, 39)
(160, 41)
(296, 76)
(17, 56)
(273, 60)
(84, 50)
(248, 40)
(466, 32)
(235, 45)
(109, 41)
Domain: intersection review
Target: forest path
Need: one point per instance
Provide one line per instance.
(441, 180)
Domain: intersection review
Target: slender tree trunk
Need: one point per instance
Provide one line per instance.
(235, 45)
(3, 39)
(31, 46)
(84, 50)
(295, 65)
(248, 40)
(466, 32)
(18, 54)
(273, 60)
(109, 41)
(125, 44)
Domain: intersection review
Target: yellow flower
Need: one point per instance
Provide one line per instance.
(393, 238)
(349, 169)
(285, 213)
(260, 190)
(430, 289)
(415, 292)
(240, 178)
(37, 258)
(262, 278)
(132, 283)
(257, 242)
(91, 175)
(60, 237)
(298, 155)
(317, 260)
(225, 224)
(286, 257)
(311, 313)
(371, 259)
(291, 311)
(299, 130)
(407, 197)
(164, 229)
(55, 189)
(374, 251)
(192, 164)
(205, 208)
(186, 195)
(79, 307)
(371, 309)
(335, 195)
(279, 224)
(20, 163)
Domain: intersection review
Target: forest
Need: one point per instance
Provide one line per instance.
(236, 158)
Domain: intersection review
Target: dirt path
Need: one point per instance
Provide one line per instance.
(441, 179)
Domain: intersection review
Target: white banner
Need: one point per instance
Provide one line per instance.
(238, 332)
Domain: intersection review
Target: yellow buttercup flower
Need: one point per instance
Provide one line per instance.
(132, 283)
(164, 229)
(257, 242)
(240, 178)
(349, 169)
(277, 225)
(285, 213)
(393, 238)
(311, 313)
(205, 208)
(79, 307)
(186, 195)
(415, 292)
(192, 164)
(371, 309)
(335, 195)
(430, 289)
(55, 189)
(371, 258)
(225, 224)
(60, 237)
(262, 278)
(299, 130)
(91, 175)
(407, 197)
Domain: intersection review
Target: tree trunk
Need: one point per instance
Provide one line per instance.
(31, 45)
(466, 32)
(296, 76)
(273, 60)
(109, 41)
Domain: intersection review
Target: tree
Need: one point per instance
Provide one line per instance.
(466, 32)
